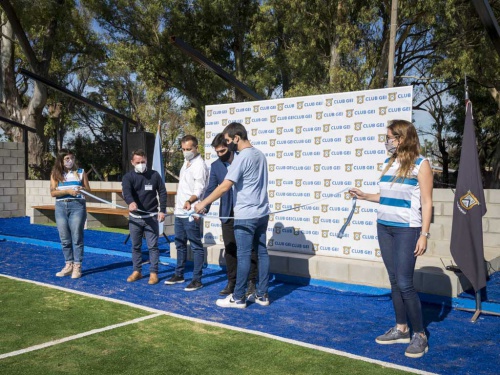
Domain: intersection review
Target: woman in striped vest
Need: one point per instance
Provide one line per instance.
(403, 221)
(66, 181)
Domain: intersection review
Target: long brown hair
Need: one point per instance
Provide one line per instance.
(408, 149)
(58, 169)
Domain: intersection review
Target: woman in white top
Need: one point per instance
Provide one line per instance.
(403, 221)
(66, 181)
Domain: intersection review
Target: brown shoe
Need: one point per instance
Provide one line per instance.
(136, 275)
(153, 278)
(66, 271)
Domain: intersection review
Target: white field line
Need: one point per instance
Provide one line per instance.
(233, 328)
(78, 336)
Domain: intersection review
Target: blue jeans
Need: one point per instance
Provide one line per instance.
(397, 245)
(150, 229)
(251, 233)
(70, 220)
(188, 230)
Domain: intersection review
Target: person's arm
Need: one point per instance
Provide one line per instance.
(127, 193)
(216, 194)
(199, 184)
(212, 185)
(425, 181)
(54, 192)
(85, 182)
(365, 196)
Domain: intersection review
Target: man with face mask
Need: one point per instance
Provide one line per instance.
(218, 171)
(141, 189)
(192, 184)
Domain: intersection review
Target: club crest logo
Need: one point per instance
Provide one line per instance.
(296, 231)
(392, 96)
(298, 154)
(317, 194)
(256, 108)
(326, 153)
(279, 181)
(278, 206)
(298, 130)
(273, 118)
(319, 115)
(315, 246)
(272, 142)
(326, 128)
(359, 152)
(208, 134)
(298, 182)
(317, 167)
(315, 219)
(358, 126)
(280, 106)
(271, 217)
(272, 167)
(300, 105)
(382, 111)
(270, 243)
(271, 194)
(277, 230)
(348, 139)
(207, 155)
(324, 233)
(296, 207)
(347, 196)
(357, 236)
(360, 99)
(317, 140)
(356, 210)
(254, 132)
(348, 167)
(379, 166)
(324, 208)
(468, 201)
(224, 122)
(231, 110)
(279, 130)
(327, 182)
(381, 138)
(349, 112)
(279, 154)
(347, 250)
(248, 120)
(207, 224)
(209, 113)
(358, 183)
(378, 253)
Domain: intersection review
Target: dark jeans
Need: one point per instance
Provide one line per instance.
(251, 234)
(397, 245)
(149, 228)
(230, 254)
(70, 220)
(188, 230)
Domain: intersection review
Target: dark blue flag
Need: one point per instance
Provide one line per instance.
(469, 207)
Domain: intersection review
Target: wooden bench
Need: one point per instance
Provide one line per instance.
(96, 216)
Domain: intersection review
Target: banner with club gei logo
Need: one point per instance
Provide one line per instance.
(316, 148)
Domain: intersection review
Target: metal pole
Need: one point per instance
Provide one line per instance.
(26, 152)
(392, 43)
(124, 147)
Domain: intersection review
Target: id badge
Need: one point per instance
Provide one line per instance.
(148, 187)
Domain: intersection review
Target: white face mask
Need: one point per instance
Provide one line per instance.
(140, 168)
(391, 149)
(188, 155)
(69, 164)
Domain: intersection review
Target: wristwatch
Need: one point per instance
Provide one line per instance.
(426, 234)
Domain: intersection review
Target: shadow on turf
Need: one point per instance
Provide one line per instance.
(106, 268)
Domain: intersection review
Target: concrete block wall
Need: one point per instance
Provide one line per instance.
(12, 180)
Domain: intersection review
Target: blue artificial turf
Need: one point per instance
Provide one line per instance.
(346, 320)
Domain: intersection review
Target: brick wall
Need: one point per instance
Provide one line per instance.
(12, 180)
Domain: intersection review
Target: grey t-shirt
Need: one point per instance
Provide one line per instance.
(248, 172)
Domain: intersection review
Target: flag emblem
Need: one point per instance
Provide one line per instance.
(468, 200)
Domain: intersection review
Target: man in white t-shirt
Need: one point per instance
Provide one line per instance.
(248, 176)
(192, 184)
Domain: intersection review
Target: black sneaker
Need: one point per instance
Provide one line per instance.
(175, 280)
(418, 346)
(250, 288)
(227, 290)
(394, 336)
(193, 285)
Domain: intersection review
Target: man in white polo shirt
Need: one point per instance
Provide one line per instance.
(192, 184)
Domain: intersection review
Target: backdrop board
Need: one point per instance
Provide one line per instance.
(316, 148)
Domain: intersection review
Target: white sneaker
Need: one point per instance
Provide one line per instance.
(230, 302)
(66, 271)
